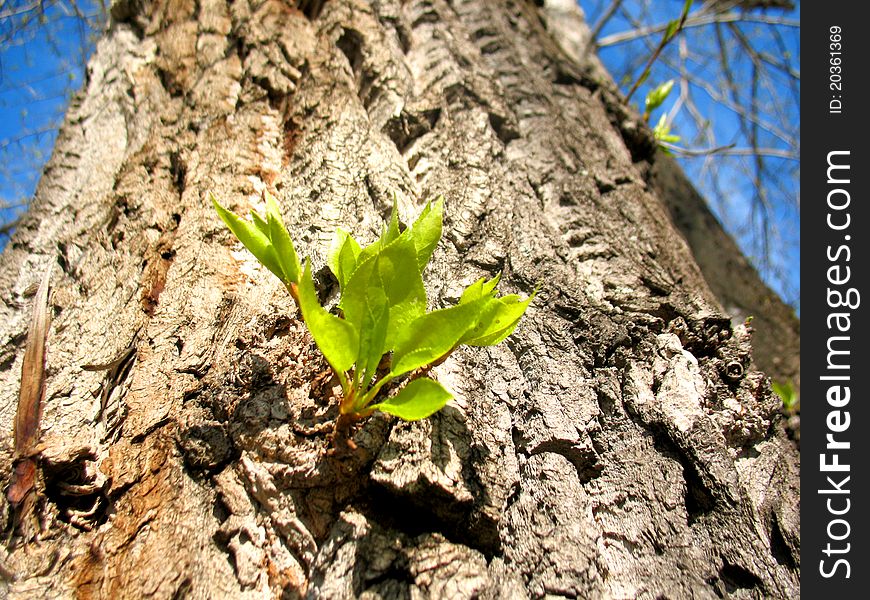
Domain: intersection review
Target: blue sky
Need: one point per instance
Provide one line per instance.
(40, 65)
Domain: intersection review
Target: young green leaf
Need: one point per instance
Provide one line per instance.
(392, 231)
(257, 242)
(497, 321)
(429, 337)
(671, 31)
(400, 279)
(662, 132)
(786, 392)
(403, 285)
(284, 249)
(273, 209)
(372, 337)
(392, 269)
(426, 231)
(676, 25)
(479, 289)
(337, 339)
(657, 96)
(389, 234)
(343, 256)
(417, 400)
(366, 306)
(260, 223)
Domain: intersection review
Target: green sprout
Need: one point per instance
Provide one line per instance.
(383, 333)
(656, 97)
(662, 133)
(786, 392)
(673, 28)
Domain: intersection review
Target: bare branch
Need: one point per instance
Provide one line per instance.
(603, 20)
(37, 132)
(669, 35)
(14, 12)
(697, 20)
(7, 227)
(731, 150)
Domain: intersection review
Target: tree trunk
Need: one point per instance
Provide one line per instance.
(618, 444)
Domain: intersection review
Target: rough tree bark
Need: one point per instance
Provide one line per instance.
(619, 444)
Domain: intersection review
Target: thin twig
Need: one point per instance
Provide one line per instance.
(664, 42)
(603, 20)
(697, 20)
(731, 150)
(7, 227)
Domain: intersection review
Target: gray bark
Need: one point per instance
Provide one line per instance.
(736, 283)
(619, 445)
